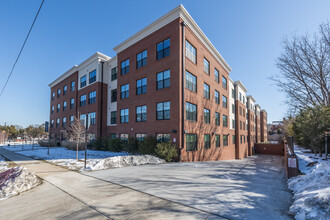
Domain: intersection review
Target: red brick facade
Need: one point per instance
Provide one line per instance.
(231, 143)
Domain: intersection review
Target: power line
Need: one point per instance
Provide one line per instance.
(19, 54)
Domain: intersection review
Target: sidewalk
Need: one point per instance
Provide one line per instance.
(67, 194)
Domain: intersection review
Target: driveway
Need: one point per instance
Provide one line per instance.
(251, 188)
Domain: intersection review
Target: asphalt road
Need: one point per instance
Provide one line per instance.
(252, 188)
(71, 195)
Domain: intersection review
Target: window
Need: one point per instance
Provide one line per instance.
(57, 122)
(233, 124)
(141, 59)
(124, 67)
(240, 96)
(140, 137)
(124, 115)
(224, 82)
(206, 91)
(233, 94)
(113, 74)
(163, 137)
(163, 49)
(58, 93)
(52, 124)
(91, 117)
(124, 137)
(58, 107)
(53, 95)
(92, 97)
(191, 82)
(141, 86)
(65, 90)
(52, 109)
(83, 81)
(191, 112)
(163, 111)
(113, 119)
(71, 103)
(216, 75)
(206, 116)
(191, 142)
(217, 119)
(64, 106)
(216, 97)
(233, 108)
(225, 120)
(163, 79)
(124, 91)
(114, 95)
(225, 140)
(92, 76)
(206, 141)
(141, 113)
(73, 84)
(113, 136)
(71, 119)
(217, 140)
(83, 119)
(206, 66)
(63, 122)
(83, 100)
(191, 52)
(234, 139)
(224, 101)
(243, 99)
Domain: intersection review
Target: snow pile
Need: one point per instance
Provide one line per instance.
(96, 160)
(312, 190)
(3, 164)
(123, 161)
(16, 180)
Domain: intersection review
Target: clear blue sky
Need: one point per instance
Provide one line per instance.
(248, 35)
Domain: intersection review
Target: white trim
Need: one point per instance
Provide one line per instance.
(64, 76)
(178, 12)
(240, 84)
(76, 68)
(250, 97)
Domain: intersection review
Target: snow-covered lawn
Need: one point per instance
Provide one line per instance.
(96, 160)
(311, 190)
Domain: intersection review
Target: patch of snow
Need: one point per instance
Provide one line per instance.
(312, 190)
(15, 181)
(123, 161)
(96, 160)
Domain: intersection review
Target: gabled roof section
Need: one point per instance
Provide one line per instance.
(178, 12)
(75, 68)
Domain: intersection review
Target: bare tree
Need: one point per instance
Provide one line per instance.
(76, 132)
(305, 69)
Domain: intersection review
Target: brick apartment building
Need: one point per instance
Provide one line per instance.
(169, 81)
